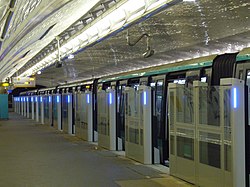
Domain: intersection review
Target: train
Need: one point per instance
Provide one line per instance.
(99, 110)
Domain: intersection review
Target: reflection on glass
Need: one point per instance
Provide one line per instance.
(210, 149)
(102, 113)
(209, 106)
(228, 157)
(134, 116)
(55, 122)
(65, 112)
(184, 105)
(185, 147)
(46, 110)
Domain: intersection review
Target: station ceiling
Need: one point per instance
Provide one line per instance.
(184, 31)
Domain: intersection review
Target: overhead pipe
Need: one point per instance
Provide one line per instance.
(9, 15)
(149, 52)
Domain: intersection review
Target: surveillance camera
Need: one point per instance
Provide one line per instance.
(148, 53)
(58, 64)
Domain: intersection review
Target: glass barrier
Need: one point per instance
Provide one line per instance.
(184, 105)
(55, 112)
(77, 111)
(46, 109)
(134, 112)
(102, 113)
(210, 149)
(211, 127)
(209, 105)
(84, 116)
(65, 112)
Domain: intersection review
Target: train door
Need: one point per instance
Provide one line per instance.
(159, 126)
(120, 111)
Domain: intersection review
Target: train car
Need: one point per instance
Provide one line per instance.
(118, 104)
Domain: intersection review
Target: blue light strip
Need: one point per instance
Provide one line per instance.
(41, 99)
(57, 99)
(110, 98)
(49, 99)
(31, 99)
(144, 97)
(24, 99)
(235, 97)
(88, 100)
(68, 98)
(36, 99)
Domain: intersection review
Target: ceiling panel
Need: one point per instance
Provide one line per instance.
(184, 31)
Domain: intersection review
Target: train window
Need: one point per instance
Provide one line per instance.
(191, 76)
(206, 75)
(203, 79)
(180, 81)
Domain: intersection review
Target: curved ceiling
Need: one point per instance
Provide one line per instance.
(184, 31)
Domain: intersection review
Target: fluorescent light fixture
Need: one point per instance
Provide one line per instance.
(103, 27)
(71, 56)
(133, 9)
(188, 0)
(39, 72)
(152, 4)
(92, 34)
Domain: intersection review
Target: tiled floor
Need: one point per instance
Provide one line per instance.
(37, 155)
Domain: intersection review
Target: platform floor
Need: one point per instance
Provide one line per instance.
(35, 155)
